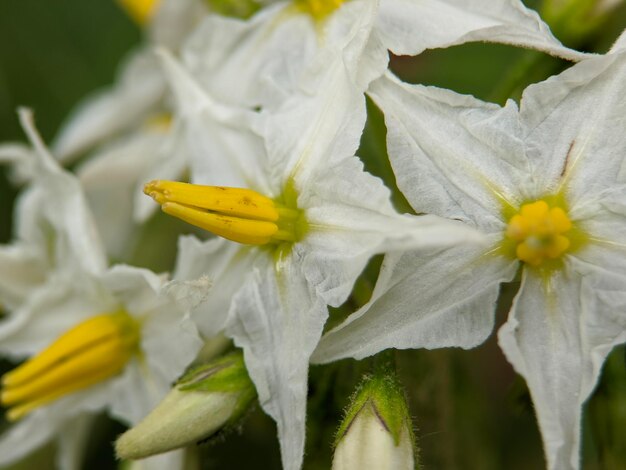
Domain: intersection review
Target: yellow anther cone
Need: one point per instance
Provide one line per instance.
(140, 10)
(541, 232)
(92, 351)
(237, 214)
(319, 9)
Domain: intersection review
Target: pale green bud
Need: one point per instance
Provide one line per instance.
(376, 433)
(204, 401)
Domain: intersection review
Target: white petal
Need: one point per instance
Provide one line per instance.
(20, 157)
(260, 62)
(408, 27)
(111, 178)
(620, 43)
(173, 20)
(170, 161)
(423, 299)
(169, 339)
(137, 92)
(223, 150)
(350, 219)
(251, 62)
(170, 342)
(72, 442)
(60, 304)
(278, 321)
(21, 270)
(136, 289)
(451, 154)
(574, 127)
(29, 434)
(60, 211)
(225, 265)
(558, 339)
(313, 132)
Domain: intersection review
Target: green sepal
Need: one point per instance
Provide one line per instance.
(225, 374)
(384, 394)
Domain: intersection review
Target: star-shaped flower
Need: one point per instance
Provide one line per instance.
(102, 339)
(307, 218)
(548, 185)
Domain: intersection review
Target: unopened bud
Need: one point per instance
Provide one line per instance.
(204, 401)
(376, 433)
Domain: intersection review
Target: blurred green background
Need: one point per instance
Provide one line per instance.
(470, 409)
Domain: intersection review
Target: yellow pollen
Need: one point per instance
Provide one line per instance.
(237, 214)
(540, 232)
(140, 10)
(318, 9)
(91, 352)
(159, 122)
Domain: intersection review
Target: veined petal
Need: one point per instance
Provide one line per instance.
(278, 320)
(225, 264)
(408, 27)
(260, 62)
(466, 177)
(423, 299)
(584, 156)
(314, 132)
(557, 336)
(351, 218)
(222, 146)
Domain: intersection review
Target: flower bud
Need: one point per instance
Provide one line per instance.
(204, 401)
(376, 432)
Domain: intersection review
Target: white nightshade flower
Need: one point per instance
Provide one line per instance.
(259, 61)
(102, 338)
(548, 185)
(307, 226)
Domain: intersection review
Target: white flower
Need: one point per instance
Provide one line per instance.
(140, 87)
(102, 338)
(260, 60)
(548, 185)
(308, 225)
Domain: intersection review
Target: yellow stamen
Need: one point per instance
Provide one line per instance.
(319, 9)
(159, 122)
(140, 10)
(91, 352)
(540, 232)
(240, 215)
